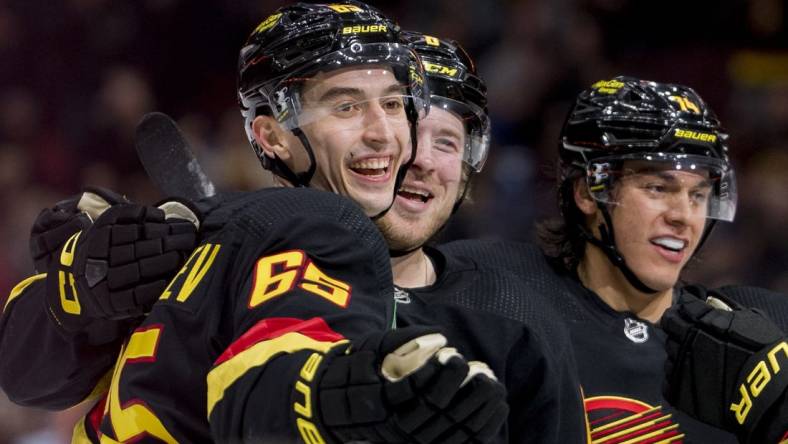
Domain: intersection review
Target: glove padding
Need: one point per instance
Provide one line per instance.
(118, 267)
(406, 386)
(54, 226)
(721, 359)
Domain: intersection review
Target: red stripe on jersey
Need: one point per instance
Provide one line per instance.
(614, 403)
(95, 416)
(315, 328)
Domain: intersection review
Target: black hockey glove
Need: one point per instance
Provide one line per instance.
(117, 268)
(724, 364)
(54, 226)
(405, 386)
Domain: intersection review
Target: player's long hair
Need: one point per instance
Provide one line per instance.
(560, 237)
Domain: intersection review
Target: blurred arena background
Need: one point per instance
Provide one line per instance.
(77, 75)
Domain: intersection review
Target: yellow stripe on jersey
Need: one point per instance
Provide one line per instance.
(134, 420)
(20, 287)
(226, 373)
(80, 435)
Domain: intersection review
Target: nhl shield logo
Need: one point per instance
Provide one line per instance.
(636, 331)
(401, 296)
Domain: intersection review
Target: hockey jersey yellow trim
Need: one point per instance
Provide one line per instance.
(80, 435)
(225, 374)
(20, 287)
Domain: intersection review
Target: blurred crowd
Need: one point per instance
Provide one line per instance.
(77, 75)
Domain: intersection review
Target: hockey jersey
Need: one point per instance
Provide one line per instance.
(286, 274)
(63, 371)
(489, 315)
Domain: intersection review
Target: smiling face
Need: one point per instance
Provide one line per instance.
(355, 122)
(659, 216)
(432, 185)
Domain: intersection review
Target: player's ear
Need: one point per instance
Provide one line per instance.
(271, 137)
(583, 199)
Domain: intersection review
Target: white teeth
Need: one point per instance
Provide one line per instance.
(415, 191)
(371, 164)
(671, 243)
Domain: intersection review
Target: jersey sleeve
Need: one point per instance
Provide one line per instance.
(540, 369)
(62, 371)
(545, 391)
(220, 356)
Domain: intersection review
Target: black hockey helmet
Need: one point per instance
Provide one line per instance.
(625, 119)
(628, 115)
(455, 86)
(299, 41)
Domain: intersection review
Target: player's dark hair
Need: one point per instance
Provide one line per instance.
(560, 237)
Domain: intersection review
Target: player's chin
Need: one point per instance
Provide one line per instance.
(402, 238)
(373, 202)
(659, 278)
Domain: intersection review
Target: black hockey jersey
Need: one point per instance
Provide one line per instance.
(489, 315)
(620, 357)
(289, 273)
(41, 368)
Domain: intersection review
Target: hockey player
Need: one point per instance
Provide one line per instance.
(644, 175)
(488, 314)
(287, 280)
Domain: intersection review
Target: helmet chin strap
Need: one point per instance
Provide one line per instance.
(281, 169)
(608, 246)
(464, 192)
(400, 253)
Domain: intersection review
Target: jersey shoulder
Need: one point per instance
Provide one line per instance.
(286, 217)
(773, 303)
(281, 225)
(536, 274)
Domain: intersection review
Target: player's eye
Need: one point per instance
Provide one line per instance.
(446, 144)
(393, 104)
(700, 196)
(347, 108)
(655, 188)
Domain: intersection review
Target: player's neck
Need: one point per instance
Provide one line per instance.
(413, 270)
(599, 275)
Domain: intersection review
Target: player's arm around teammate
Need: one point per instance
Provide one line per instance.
(101, 262)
